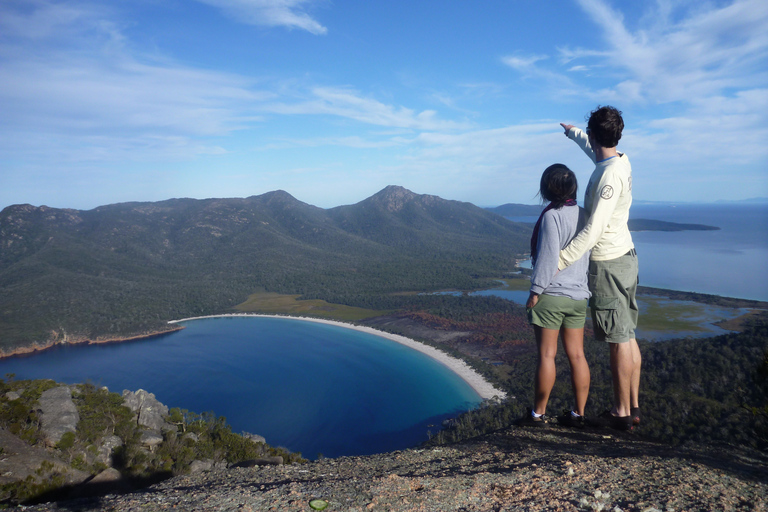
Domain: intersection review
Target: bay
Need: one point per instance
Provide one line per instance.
(309, 387)
(730, 262)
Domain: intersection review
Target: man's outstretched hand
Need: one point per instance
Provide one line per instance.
(566, 127)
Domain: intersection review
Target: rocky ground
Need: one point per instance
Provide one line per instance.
(551, 468)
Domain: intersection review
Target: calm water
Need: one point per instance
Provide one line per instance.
(731, 262)
(309, 387)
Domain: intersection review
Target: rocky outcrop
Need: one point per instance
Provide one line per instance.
(200, 466)
(254, 437)
(20, 461)
(107, 448)
(150, 412)
(151, 439)
(513, 469)
(58, 414)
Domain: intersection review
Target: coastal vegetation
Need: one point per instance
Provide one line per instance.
(280, 304)
(712, 390)
(104, 416)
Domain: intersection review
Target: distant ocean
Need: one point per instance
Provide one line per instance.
(309, 387)
(731, 262)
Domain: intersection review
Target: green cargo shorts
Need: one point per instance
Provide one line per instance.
(613, 284)
(553, 312)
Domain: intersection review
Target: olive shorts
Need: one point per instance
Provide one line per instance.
(553, 312)
(613, 284)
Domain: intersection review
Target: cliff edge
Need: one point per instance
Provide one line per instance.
(551, 468)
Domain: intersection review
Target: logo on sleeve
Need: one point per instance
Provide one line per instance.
(606, 192)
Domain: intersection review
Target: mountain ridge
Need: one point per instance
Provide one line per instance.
(121, 270)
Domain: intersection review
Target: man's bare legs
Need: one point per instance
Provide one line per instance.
(546, 340)
(634, 386)
(625, 369)
(573, 342)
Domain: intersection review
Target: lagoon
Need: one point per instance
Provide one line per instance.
(313, 388)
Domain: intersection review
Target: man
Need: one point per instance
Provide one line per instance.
(613, 261)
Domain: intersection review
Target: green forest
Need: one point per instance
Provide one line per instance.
(711, 390)
(125, 270)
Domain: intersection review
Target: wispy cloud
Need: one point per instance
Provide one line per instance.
(271, 13)
(529, 68)
(350, 104)
(352, 141)
(524, 64)
(82, 88)
(704, 53)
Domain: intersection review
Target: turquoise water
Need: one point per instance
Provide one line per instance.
(310, 387)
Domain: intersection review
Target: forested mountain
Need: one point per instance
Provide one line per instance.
(126, 269)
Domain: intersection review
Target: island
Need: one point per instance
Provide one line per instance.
(661, 225)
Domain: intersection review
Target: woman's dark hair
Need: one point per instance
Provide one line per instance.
(558, 185)
(605, 125)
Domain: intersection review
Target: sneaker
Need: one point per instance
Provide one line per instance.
(529, 420)
(607, 419)
(567, 419)
(635, 413)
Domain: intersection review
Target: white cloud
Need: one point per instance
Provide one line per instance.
(702, 54)
(81, 87)
(352, 141)
(271, 13)
(523, 64)
(528, 67)
(350, 104)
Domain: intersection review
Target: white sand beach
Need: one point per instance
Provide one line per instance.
(481, 386)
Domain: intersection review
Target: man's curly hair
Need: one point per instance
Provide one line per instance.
(605, 125)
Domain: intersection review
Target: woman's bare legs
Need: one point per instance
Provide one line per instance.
(573, 342)
(546, 340)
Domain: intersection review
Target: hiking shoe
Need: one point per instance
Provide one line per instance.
(529, 420)
(567, 419)
(635, 413)
(607, 419)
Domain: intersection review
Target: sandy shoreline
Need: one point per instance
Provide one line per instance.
(476, 381)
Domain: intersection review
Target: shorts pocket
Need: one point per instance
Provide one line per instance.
(605, 313)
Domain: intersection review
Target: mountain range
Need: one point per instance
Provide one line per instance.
(126, 269)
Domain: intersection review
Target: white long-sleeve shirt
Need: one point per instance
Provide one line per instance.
(607, 201)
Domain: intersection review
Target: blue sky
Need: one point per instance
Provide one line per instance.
(332, 100)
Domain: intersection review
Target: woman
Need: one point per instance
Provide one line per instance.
(557, 303)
